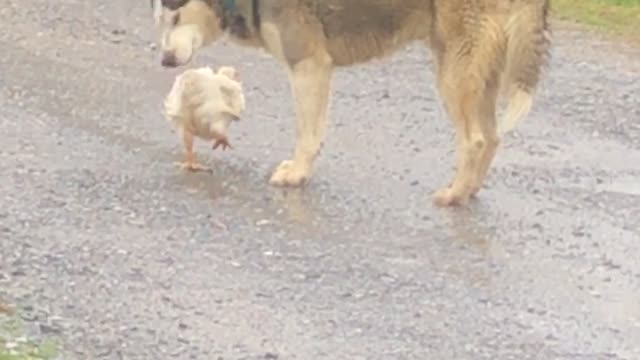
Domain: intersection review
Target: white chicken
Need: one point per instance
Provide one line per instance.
(203, 103)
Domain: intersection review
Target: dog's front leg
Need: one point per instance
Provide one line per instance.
(311, 85)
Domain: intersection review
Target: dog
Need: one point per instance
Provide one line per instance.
(483, 50)
(203, 103)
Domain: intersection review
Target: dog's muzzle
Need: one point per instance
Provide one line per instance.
(169, 60)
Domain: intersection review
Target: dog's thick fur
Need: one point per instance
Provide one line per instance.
(482, 49)
(203, 103)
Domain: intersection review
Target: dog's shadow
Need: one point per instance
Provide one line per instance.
(468, 227)
(476, 246)
(244, 185)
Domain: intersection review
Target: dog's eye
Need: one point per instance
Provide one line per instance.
(176, 19)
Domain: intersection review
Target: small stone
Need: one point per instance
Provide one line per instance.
(48, 329)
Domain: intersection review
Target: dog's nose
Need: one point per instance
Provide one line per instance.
(169, 60)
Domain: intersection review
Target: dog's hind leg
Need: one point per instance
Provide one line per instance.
(488, 126)
(310, 82)
(463, 94)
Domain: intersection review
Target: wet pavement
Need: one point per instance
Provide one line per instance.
(123, 256)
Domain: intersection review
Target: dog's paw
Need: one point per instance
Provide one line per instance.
(449, 197)
(290, 173)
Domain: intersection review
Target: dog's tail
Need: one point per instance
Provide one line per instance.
(527, 53)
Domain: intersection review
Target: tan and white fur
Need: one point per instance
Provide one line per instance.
(203, 103)
(482, 49)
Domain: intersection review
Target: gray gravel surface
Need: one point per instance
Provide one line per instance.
(110, 247)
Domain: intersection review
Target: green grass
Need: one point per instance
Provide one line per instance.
(616, 17)
(14, 346)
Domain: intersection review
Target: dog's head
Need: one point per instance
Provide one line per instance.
(185, 26)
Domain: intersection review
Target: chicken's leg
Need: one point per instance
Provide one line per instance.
(223, 142)
(191, 162)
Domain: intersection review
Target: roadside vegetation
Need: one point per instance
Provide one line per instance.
(16, 345)
(614, 17)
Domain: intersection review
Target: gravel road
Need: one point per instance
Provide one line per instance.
(109, 246)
